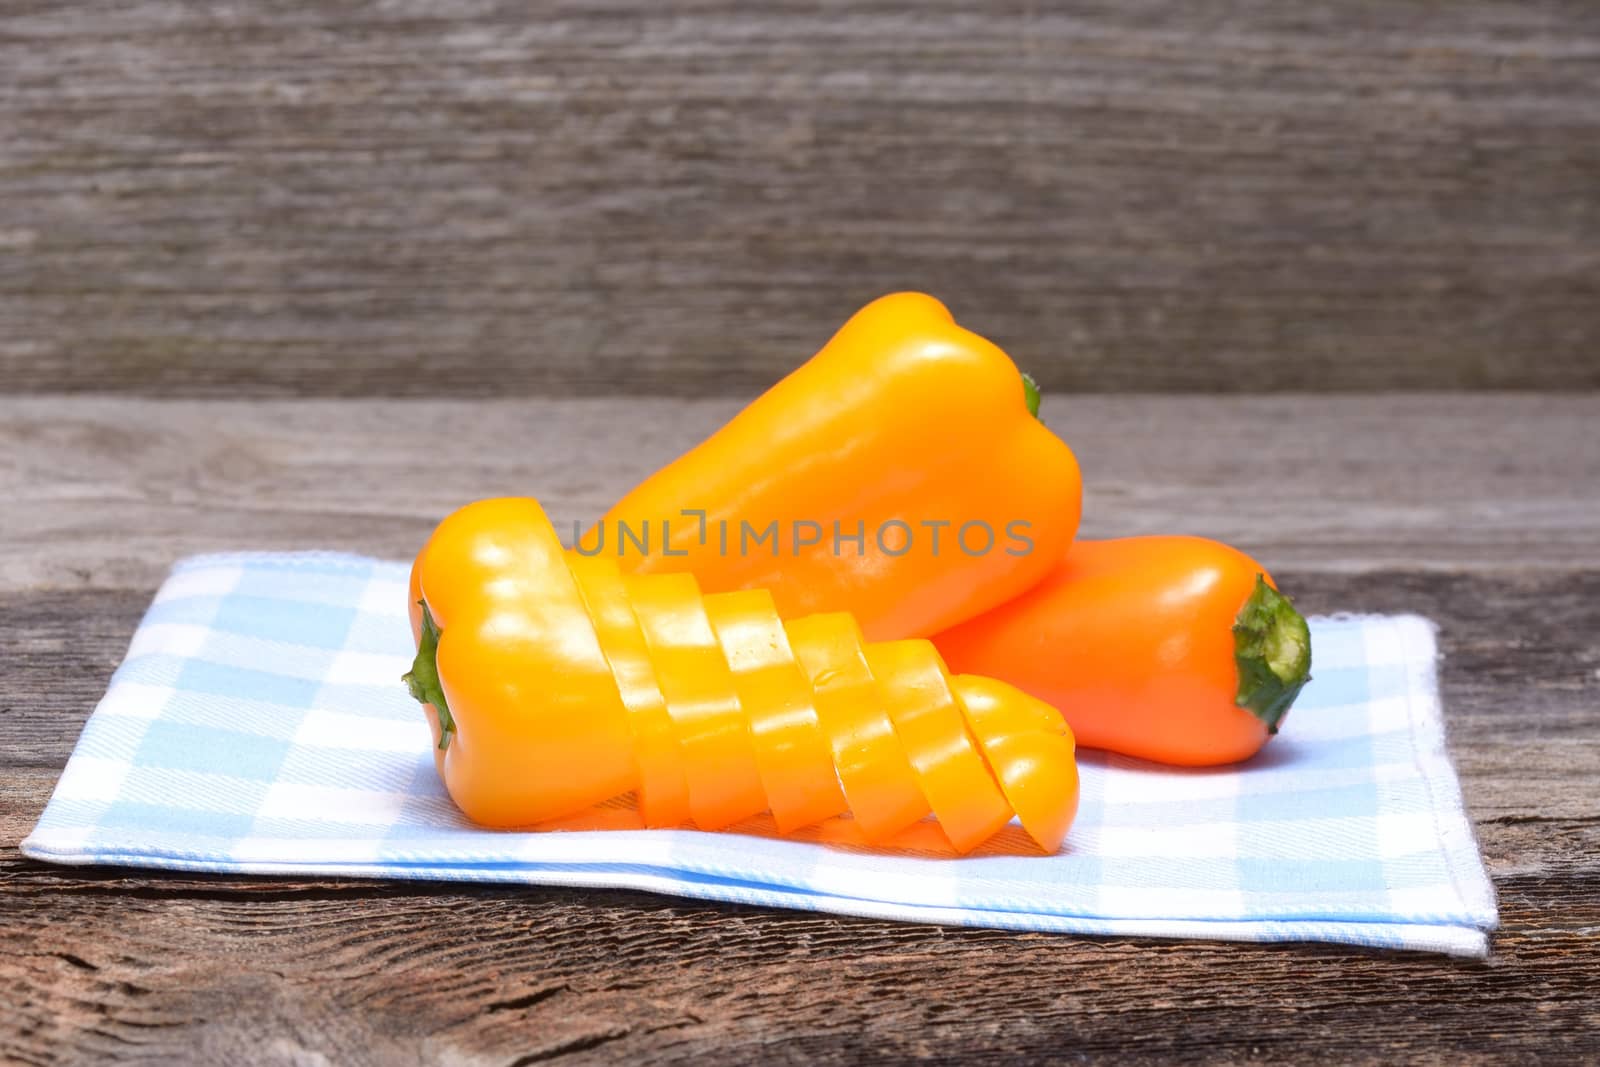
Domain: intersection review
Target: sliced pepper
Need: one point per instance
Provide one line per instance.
(553, 683)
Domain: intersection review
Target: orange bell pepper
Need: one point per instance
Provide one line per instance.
(1174, 649)
(552, 683)
(901, 474)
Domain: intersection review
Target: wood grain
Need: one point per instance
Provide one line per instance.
(107, 493)
(122, 965)
(476, 197)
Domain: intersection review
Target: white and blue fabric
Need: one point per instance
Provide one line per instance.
(259, 726)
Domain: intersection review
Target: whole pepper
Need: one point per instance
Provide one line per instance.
(1174, 649)
(553, 683)
(901, 474)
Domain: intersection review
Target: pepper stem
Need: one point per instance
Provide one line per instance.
(423, 678)
(1272, 646)
(1030, 394)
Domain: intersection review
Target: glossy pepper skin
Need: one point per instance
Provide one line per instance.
(903, 417)
(553, 682)
(1173, 649)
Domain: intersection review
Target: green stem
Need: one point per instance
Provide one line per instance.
(423, 678)
(1272, 646)
(1030, 393)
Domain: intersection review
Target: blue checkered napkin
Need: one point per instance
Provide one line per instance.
(258, 725)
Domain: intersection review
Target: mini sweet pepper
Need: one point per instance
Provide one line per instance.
(1174, 649)
(553, 682)
(901, 474)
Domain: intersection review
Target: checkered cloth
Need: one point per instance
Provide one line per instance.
(259, 726)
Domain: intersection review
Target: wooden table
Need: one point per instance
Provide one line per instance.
(1482, 511)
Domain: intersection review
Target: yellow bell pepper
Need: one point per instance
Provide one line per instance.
(552, 683)
(900, 474)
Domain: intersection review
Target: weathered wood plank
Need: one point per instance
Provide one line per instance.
(479, 198)
(115, 964)
(496, 976)
(106, 492)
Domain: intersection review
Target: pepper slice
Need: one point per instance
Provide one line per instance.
(1031, 752)
(663, 790)
(953, 775)
(718, 756)
(792, 753)
(877, 778)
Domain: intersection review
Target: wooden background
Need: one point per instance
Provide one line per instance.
(480, 198)
(262, 266)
